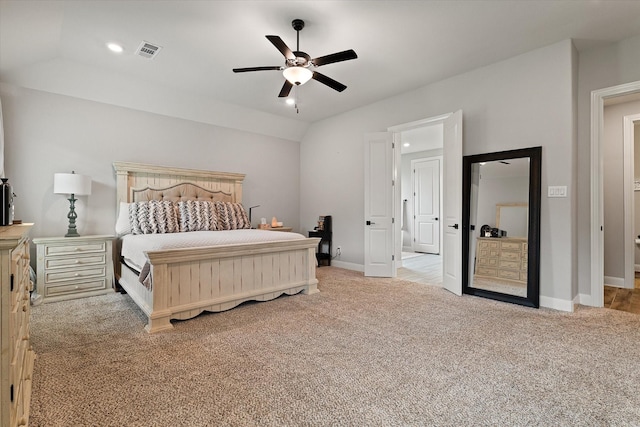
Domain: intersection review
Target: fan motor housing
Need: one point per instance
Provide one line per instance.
(297, 24)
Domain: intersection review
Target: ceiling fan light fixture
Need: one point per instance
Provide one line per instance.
(297, 75)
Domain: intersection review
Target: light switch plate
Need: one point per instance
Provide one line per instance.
(557, 191)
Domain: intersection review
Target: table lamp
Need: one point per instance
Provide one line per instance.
(73, 184)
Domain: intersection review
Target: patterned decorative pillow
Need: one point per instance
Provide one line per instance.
(232, 216)
(197, 215)
(154, 216)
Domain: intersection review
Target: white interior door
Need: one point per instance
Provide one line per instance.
(378, 205)
(426, 217)
(452, 204)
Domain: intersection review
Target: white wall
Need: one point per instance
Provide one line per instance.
(47, 133)
(599, 68)
(495, 190)
(614, 186)
(525, 101)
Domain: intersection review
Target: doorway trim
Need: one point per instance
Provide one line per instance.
(597, 188)
(629, 199)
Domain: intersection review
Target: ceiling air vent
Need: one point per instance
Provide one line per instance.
(148, 50)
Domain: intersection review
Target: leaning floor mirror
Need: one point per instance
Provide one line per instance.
(501, 226)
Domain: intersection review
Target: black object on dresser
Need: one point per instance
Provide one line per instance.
(323, 230)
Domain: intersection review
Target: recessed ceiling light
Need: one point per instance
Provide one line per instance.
(290, 101)
(406, 144)
(115, 47)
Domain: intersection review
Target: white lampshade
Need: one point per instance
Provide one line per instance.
(297, 75)
(71, 183)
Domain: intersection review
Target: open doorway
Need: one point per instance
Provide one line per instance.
(621, 184)
(421, 151)
(599, 98)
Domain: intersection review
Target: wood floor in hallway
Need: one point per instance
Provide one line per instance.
(623, 299)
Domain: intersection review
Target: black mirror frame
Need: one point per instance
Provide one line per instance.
(533, 270)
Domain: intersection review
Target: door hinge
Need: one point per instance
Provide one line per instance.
(11, 282)
(11, 392)
(393, 182)
(393, 145)
(393, 220)
(393, 257)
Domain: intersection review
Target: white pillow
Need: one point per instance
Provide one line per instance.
(123, 226)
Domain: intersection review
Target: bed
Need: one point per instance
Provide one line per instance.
(182, 282)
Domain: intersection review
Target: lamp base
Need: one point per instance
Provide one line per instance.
(71, 231)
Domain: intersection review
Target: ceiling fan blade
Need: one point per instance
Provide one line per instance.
(286, 88)
(335, 57)
(281, 46)
(244, 70)
(328, 81)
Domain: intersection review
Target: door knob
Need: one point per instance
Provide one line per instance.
(453, 226)
(436, 218)
(370, 223)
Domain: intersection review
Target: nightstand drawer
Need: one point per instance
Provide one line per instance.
(74, 249)
(76, 287)
(79, 261)
(75, 274)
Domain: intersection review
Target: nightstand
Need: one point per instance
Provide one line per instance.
(278, 228)
(74, 267)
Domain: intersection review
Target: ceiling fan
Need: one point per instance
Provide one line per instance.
(299, 67)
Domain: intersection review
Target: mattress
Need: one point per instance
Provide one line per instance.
(134, 246)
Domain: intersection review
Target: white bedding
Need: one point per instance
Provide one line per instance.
(134, 246)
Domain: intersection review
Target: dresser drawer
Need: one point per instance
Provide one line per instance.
(508, 274)
(483, 271)
(510, 246)
(74, 249)
(510, 256)
(79, 261)
(75, 274)
(76, 287)
(511, 265)
(488, 262)
(488, 252)
(484, 244)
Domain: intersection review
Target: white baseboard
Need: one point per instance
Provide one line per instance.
(347, 265)
(637, 268)
(614, 281)
(585, 299)
(556, 303)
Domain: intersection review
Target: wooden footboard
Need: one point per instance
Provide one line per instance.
(186, 282)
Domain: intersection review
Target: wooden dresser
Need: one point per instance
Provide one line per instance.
(74, 267)
(17, 355)
(503, 258)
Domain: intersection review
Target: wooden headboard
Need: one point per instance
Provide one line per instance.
(138, 182)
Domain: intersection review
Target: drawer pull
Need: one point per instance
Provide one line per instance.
(77, 261)
(77, 274)
(77, 287)
(76, 249)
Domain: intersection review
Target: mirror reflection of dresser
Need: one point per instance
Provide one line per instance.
(505, 259)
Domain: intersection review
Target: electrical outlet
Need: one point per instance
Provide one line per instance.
(338, 251)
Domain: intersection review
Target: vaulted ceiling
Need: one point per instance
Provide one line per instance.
(59, 46)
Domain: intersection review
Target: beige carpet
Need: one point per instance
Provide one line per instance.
(362, 352)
